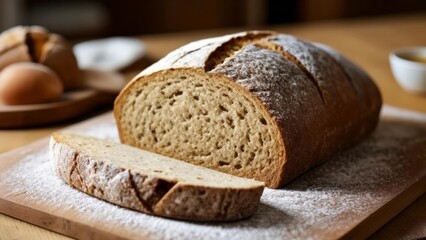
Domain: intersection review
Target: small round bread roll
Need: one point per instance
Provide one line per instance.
(36, 44)
(29, 83)
(58, 56)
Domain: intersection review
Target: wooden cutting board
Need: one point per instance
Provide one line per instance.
(349, 196)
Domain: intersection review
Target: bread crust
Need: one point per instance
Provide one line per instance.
(320, 102)
(155, 195)
(12, 47)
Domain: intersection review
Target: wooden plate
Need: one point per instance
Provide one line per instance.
(72, 103)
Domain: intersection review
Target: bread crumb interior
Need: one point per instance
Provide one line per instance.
(201, 120)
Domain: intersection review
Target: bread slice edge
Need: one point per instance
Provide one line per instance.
(153, 195)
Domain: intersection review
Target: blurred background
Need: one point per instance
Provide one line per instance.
(101, 18)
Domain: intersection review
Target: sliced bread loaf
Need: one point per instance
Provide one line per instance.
(151, 183)
(261, 105)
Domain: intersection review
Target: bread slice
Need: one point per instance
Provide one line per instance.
(151, 183)
(261, 105)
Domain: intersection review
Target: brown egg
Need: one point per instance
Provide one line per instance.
(29, 83)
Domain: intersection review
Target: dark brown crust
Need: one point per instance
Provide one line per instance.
(151, 195)
(333, 106)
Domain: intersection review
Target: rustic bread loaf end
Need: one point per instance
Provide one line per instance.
(151, 183)
(261, 105)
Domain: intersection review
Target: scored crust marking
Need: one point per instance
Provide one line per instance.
(339, 65)
(233, 46)
(162, 188)
(311, 77)
(189, 52)
(278, 49)
(72, 170)
(136, 192)
(229, 48)
(76, 172)
(29, 41)
(77, 169)
(149, 191)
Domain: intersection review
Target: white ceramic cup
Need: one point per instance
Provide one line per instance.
(409, 72)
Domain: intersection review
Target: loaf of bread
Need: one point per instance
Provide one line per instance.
(36, 44)
(260, 105)
(151, 183)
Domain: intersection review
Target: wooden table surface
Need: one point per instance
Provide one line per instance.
(367, 42)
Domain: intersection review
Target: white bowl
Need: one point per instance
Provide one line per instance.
(109, 54)
(408, 68)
